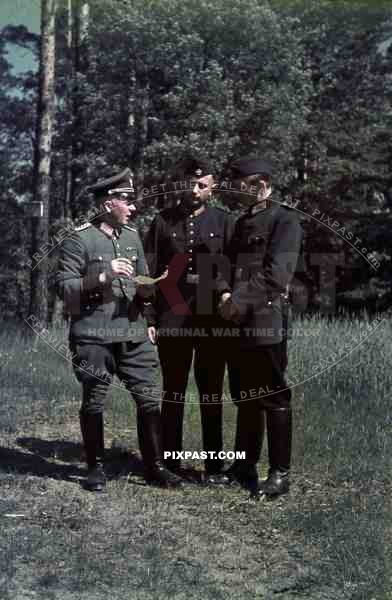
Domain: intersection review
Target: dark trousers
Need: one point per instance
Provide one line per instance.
(260, 378)
(209, 356)
(135, 364)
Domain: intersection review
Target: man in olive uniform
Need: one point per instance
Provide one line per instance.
(180, 238)
(264, 252)
(108, 333)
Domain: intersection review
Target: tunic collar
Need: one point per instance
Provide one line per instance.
(109, 231)
(256, 208)
(199, 210)
(262, 205)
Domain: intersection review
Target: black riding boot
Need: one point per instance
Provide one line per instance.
(248, 439)
(172, 416)
(149, 434)
(279, 427)
(211, 426)
(91, 426)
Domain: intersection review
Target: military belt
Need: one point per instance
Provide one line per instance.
(192, 278)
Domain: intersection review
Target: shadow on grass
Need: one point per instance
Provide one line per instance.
(17, 461)
(43, 456)
(53, 449)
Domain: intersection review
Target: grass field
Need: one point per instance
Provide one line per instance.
(329, 539)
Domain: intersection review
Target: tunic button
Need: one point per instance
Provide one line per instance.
(269, 303)
(100, 258)
(212, 234)
(190, 249)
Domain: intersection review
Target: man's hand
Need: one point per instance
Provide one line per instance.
(122, 267)
(225, 297)
(228, 309)
(152, 334)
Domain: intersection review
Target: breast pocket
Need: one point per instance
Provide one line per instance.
(176, 242)
(99, 261)
(213, 241)
(131, 253)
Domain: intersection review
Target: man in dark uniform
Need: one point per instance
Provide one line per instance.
(180, 239)
(264, 252)
(95, 279)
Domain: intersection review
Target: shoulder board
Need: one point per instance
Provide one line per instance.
(130, 228)
(83, 227)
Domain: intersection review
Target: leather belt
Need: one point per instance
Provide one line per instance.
(192, 278)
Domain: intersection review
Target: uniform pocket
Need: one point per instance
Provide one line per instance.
(213, 241)
(131, 253)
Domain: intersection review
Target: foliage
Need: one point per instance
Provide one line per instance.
(309, 84)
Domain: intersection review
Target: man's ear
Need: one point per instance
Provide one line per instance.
(108, 204)
(263, 184)
(266, 181)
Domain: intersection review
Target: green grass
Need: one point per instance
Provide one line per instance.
(328, 539)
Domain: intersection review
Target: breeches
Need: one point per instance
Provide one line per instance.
(135, 364)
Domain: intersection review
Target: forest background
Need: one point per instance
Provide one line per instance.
(142, 83)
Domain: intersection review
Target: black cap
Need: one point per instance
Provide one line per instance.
(192, 166)
(117, 184)
(251, 165)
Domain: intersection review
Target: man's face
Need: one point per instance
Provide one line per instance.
(202, 188)
(121, 209)
(250, 190)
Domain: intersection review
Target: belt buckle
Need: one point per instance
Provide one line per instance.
(192, 278)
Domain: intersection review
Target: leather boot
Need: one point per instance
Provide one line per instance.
(211, 426)
(279, 427)
(149, 434)
(248, 439)
(172, 416)
(91, 426)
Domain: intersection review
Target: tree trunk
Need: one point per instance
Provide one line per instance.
(138, 107)
(43, 147)
(80, 68)
(143, 108)
(68, 180)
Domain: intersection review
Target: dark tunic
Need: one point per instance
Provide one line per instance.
(264, 253)
(191, 247)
